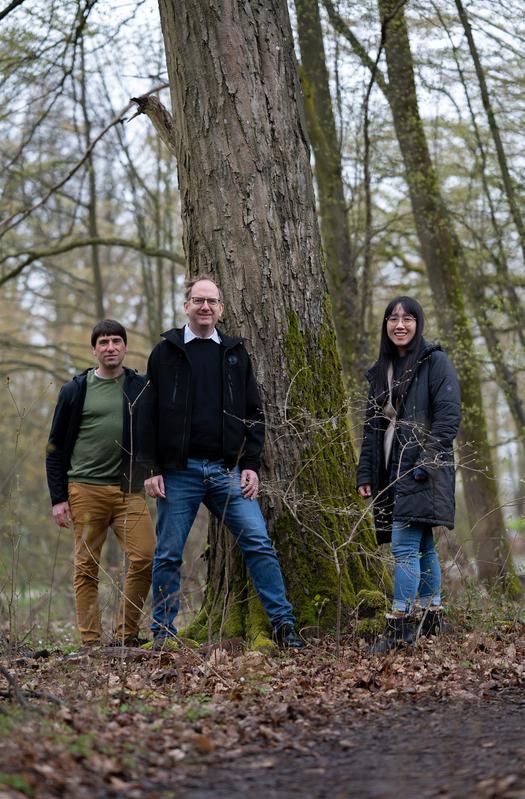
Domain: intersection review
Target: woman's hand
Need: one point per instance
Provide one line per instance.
(365, 491)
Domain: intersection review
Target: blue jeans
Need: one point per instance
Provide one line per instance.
(416, 566)
(219, 489)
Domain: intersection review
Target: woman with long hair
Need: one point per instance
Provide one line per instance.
(407, 465)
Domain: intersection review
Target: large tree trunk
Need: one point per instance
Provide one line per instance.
(444, 259)
(340, 263)
(249, 218)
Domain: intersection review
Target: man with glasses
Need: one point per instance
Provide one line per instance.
(202, 433)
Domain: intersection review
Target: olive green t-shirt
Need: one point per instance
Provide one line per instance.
(97, 454)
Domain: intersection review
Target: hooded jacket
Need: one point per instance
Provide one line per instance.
(165, 414)
(65, 427)
(426, 426)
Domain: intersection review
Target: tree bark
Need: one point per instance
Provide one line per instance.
(249, 219)
(340, 263)
(445, 262)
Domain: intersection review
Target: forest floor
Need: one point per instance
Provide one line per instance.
(445, 719)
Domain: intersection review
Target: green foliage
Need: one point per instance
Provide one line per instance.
(370, 603)
(371, 607)
(486, 611)
(263, 643)
(197, 708)
(16, 782)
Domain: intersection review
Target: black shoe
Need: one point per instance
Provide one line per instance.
(287, 638)
(131, 640)
(432, 622)
(399, 631)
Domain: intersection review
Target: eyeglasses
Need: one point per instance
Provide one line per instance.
(407, 320)
(212, 301)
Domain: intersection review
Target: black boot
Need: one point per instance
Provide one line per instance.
(287, 638)
(399, 631)
(432, 622)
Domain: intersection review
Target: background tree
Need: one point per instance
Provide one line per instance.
(333, 211)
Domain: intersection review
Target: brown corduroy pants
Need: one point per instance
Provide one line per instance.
(94, 508)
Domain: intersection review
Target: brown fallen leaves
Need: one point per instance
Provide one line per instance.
(124, 721)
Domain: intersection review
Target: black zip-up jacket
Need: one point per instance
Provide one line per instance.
(426, 426)
(65, 427)
(165, 414)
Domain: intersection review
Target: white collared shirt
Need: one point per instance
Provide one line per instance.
(189, 335)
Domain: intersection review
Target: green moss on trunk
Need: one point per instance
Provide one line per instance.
(325, 524)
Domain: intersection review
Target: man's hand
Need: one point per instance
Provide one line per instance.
(365, 491)
(154, 487)
(62, 514)
(249, 483)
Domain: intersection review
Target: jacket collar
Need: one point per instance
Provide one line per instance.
(425, 348)
(176, 336)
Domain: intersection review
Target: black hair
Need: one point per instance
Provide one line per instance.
(388, 352)
(108, 327)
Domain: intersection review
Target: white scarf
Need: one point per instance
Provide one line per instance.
(390, 413)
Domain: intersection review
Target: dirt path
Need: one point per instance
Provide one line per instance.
(463, 750)
(446, 720)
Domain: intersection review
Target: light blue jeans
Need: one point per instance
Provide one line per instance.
(219, 489)
(416, 568)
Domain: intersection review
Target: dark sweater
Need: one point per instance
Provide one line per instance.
(165, 415)
(206, 414)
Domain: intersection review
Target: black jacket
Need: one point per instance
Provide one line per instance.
(426, 426)
(165, 414)
(65, 427)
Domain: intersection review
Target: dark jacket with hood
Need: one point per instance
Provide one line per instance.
(426, 425)
(165, 414)
(64, 433)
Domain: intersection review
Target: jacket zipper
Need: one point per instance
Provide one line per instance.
(175, 387)
(185, 425)
(230, 386)
(230, 392)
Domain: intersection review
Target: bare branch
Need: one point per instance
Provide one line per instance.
(15, 688)
(11, 7)
(36, 255)
(359, 49)
(160, 117)
(19, 216)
